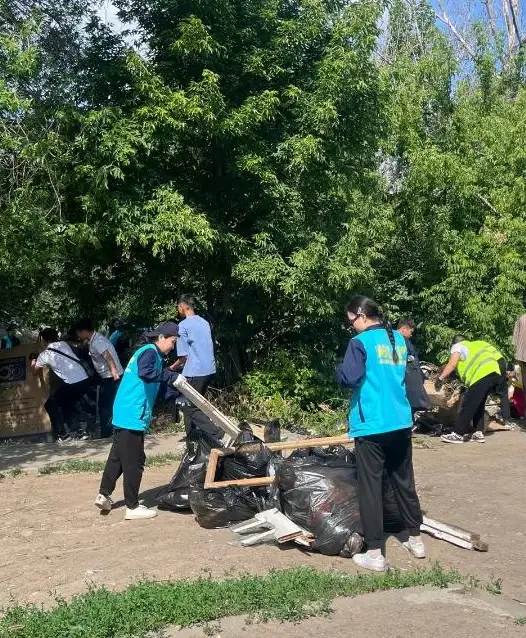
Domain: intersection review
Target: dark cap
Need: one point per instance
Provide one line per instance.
(166, 328)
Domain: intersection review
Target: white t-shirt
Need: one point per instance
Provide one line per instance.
(98, 344)
(461, 349)
(69, 371)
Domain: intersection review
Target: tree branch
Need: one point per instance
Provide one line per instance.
(488, 204)
(509, 27)
(447, 21)
(514, 6)
(492, 20)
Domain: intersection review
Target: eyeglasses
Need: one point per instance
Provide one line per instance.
(353, 321)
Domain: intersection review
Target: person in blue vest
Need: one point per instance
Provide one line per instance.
(380, 422)
(145, 374)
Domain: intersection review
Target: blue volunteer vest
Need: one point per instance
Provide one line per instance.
(132, 409)
(380, 403)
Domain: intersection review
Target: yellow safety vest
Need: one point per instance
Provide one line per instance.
(482, 361)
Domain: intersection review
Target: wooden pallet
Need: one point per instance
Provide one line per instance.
(211, 483)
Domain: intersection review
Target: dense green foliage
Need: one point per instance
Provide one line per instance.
(270, 156)
(148, 607)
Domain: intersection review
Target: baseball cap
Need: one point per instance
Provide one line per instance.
(166, 328)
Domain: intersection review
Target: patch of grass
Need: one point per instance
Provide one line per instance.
(494, 586)
(16, 471)
(521, 620)
(78, 466)
(287, 595)
(158, 460)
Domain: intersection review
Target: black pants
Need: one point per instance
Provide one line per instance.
(61, 405)
(107, 392)
(127, 458)
(393, 452)
(502, 391)
(193, 417)
(472, 412)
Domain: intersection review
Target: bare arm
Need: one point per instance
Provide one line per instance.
(450, 366)
(36, 371)
(179, 363)
(113, 368)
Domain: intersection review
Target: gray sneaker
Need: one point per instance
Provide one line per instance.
(452, 438)
(478, 437)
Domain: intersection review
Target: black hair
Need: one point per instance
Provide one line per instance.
(49, 335)
(458, 338)
(187, 299)
(361, 305)
(406, 321)
(83, 324)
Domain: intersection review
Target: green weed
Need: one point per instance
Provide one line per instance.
(521, 620)
(78, 466)
(494, 586)
(145, 607)
(16, 471)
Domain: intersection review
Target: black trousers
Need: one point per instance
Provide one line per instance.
(392, 452)
(472, 412)
(193, 417)
(127, 458)
(502, 391)
(61, 405)
(107, 392)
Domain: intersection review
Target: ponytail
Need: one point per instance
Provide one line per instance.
(361, 305)
(390, 334)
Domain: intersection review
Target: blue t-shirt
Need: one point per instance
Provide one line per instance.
(195, 343)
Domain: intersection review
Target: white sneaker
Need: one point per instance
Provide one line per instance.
(104, 503)
(452, 438)
(478, 437)
(373, 563)
(141, 511)
(416, 548)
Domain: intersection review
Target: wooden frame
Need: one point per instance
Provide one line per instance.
(211, 483)
(216, 416)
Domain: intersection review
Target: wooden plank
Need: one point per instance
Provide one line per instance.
(215, 415)
(444, 536)
(211, 483)
(463, 534)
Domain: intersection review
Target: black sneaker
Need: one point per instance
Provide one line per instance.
(62, 440)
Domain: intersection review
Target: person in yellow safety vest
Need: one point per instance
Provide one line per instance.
(482, 369)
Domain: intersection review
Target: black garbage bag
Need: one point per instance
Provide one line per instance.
(175, 496)
(271, 429)
(250, 460)
(319, 492)
(224, 506)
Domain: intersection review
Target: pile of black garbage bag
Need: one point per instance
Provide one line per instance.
(316, 488)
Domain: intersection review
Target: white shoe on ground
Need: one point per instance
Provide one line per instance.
(104, 503)
(416, 548)
(452, 438)
(372, 563)
(478, 437)
(141, 511)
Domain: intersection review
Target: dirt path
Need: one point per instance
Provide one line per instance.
(56, 543)
(441, 613)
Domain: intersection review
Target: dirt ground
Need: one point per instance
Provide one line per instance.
(55, 543)
(441, 613)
